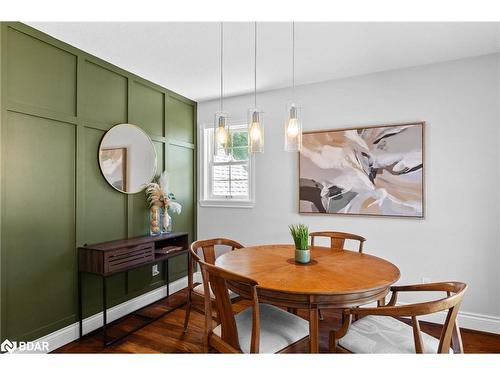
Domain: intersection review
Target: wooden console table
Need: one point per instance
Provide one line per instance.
(109, 258)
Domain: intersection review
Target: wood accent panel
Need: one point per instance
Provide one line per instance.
(179, 120)
(53, 81)
(40, 74)
(105, 211)
(38, 221)
(104, 94)
(181, 163)
(148, 108)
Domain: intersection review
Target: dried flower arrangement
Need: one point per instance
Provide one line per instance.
(159, 198)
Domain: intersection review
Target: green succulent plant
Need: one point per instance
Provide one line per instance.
(300, 235)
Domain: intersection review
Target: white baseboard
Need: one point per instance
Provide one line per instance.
(478, 322)
(70, 333)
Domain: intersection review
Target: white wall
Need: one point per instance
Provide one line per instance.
(459, 239)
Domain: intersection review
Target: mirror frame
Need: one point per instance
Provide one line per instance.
(100, 164)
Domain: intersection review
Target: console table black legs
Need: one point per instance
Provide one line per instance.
(115, 257)
(105, 324)
(104, 312)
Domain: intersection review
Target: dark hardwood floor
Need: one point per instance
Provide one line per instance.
(166, 336)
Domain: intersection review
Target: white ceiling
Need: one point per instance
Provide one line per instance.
(184, 57)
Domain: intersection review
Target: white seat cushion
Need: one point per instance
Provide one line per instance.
(200, 290)
(384, 334)
(278, 329)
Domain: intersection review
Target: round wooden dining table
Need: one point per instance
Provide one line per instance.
(333, 279)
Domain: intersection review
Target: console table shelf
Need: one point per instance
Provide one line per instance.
(109, 258)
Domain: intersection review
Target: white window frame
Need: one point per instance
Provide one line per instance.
(205, 152)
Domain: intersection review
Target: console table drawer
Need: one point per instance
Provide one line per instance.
(111, 257)
(124, 258)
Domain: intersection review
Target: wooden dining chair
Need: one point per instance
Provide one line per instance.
(337, 239)
(337, 242)
(261, 328)
(196, 293)
(380, 332)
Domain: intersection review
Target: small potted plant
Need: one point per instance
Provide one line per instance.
(300, 234)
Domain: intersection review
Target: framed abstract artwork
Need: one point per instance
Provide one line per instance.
(375, 170)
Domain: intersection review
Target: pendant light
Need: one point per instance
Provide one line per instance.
(293, 124)
(221, 120)
(255, 124)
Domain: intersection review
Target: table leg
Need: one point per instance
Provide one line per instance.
(313, 329)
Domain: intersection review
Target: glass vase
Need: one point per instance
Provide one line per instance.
(155, 221)
(166, 221)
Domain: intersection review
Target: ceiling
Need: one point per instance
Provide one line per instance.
(185, 57)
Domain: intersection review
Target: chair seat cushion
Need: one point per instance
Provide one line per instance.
(278, 329)
(199, 289)
(384, 334)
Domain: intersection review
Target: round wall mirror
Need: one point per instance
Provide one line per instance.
(127, 158)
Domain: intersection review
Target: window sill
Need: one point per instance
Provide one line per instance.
(227, 203)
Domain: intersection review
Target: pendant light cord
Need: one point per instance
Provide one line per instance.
(293, 60)
(255, 66)
(221, 66)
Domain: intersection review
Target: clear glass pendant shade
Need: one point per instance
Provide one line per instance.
(255, 131)
(221, 133)
(293, 129)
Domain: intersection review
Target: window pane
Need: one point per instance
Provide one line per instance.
(228, 181)
(221, 156)
(240, 153)
(239, 188)
(240, 138)
(240, 145)
(221, 188)
(220, 172)
(239, 172)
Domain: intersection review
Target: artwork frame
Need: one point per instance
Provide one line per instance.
(119, 154)
(421, 125)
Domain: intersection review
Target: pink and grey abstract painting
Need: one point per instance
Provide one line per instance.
(366, 171)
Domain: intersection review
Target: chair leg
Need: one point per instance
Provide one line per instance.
(332, 343)
(206, 344)
(188, 312)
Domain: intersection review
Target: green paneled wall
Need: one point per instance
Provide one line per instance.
(56, 104)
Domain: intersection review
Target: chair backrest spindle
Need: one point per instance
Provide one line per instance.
(208, 247)
(337, 239)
